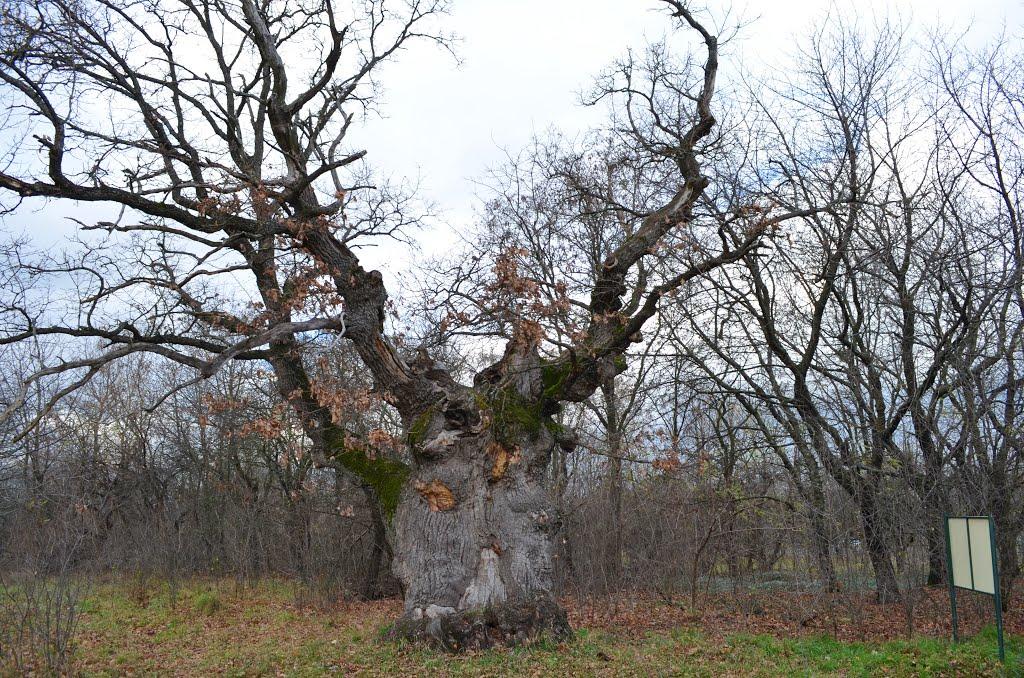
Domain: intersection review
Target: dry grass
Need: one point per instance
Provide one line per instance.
(220, 628)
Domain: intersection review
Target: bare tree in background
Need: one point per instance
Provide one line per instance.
(981, 120)
(850, 332)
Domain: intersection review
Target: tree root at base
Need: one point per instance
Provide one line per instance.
(504, 625)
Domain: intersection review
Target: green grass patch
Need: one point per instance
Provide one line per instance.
(207, 603)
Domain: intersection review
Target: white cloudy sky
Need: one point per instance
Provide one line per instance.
(523, 64)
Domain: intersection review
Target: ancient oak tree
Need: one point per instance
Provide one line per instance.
(218, 132)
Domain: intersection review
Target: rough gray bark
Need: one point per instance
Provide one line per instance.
(474, 531)
(475, 525)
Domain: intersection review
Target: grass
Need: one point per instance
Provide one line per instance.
(207, 602)
(215, 627)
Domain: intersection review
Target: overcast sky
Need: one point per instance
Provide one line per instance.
(523, 65)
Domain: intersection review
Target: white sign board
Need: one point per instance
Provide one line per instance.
(970, 554)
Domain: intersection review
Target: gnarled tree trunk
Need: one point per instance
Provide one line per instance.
(475, 524)
(474, 546)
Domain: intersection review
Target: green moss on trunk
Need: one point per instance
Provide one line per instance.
(513, 415)
(418, 428)
(553, 377)
(385, 476)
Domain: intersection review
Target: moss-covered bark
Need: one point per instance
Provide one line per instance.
(385, 476)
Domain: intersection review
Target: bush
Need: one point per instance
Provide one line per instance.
(38, 619)
(207, 603)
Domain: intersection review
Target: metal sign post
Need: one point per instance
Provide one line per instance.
(972, 563)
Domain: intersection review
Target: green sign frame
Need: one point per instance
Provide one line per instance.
(969, 570)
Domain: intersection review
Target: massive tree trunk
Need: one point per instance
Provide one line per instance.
(475, 525)
(474, 546)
